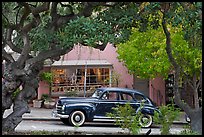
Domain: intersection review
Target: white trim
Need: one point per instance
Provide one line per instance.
(80, 63)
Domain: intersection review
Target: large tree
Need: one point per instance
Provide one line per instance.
(38, 31)
(174, 44)
(47, 30)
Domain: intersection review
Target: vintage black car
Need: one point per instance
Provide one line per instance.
(77, 110)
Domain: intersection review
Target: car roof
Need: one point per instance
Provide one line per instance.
(117, 89)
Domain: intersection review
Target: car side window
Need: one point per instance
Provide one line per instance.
(105, 96)
(109, 96)
(126, 96)
(112, 96)
(139, 98)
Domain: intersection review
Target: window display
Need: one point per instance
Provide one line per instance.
(70, 79)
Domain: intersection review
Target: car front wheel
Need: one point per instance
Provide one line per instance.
(77, 118)
(145, 120)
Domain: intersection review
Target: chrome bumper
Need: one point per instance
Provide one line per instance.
(55, 114)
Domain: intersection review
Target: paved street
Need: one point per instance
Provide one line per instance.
(41, 119)
(46, 114)
(88, 128)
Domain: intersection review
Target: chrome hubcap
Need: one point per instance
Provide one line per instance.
(77, 118)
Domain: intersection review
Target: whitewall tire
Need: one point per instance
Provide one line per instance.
(77, 118)
(145, 120)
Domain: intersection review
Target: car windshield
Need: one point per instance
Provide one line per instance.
(97, 94)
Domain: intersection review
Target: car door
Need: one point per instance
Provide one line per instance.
(108, 100)
(125, 97)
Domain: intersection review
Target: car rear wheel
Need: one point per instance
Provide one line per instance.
(145, 120)
(77, 118)
(65, 121)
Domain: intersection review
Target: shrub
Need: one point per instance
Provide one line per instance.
(168, 114)
(126, 118)
(46, 76)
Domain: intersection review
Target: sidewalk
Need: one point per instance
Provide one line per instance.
(36, 114)
(46, 114)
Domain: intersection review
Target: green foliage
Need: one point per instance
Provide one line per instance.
(7, 7)
(144, 53)
(189, 16)
(85, 30)
(120, 18)
(47, 76)
(168, 114)
(45, 97)
(125, 117)
(110, 24)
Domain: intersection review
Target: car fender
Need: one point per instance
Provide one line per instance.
(88, 108)
(148, 110)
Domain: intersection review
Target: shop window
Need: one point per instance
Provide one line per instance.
(59, 79)
(94, 76)
(73, 79)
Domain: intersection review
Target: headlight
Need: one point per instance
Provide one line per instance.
(63, 108)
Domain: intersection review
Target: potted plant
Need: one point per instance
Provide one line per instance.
(37, 103)
(48, 102)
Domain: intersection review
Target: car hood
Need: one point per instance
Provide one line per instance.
(63, 100)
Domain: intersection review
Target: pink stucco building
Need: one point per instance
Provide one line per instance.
(87, 67)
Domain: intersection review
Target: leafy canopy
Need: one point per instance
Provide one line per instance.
(144, 53)
(106, 24)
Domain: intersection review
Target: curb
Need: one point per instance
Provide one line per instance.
(41, 118)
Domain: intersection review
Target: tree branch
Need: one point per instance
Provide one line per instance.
(177, 95)
(26, 49)
(45, 55)
(6, 18)
(26, 12)
(168, 43)
(7, 56)
(36, 21)
(53, 12)
(41, 8)
(17, 14)
(9, 41)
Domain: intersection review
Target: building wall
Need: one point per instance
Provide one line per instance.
(109, 54)
(156, 86)
(157, 91)
(44, 87)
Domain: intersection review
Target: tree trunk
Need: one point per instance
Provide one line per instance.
(196, 121)
(20, 106)
(9, 85)
(194, 114)
(12, 81)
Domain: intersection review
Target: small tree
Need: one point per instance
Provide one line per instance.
(46, 76)
(168, 114)
(127, 118)
(180, 53)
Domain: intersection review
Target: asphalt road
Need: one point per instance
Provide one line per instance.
(89, 128)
